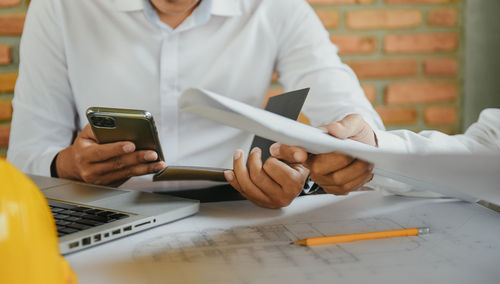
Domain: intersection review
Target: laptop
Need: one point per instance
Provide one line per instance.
(88, 215)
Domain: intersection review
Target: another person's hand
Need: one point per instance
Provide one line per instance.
(105, 164)
(272, 185)
(336, 173)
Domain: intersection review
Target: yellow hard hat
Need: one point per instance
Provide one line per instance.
(29, 251)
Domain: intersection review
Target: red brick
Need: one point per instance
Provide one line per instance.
(442, 17)
(418, 1)
(420, 92)
(329, 18)
(385, 68)
(420, 43)
(9, 3)
(383, 19)
(304, 119)
(441, 66)
(349, 44)
(370, 92)
(397, 116)
(5, 110)
(438, 115)
(5, 55)
(11, 24)
(7, 82)
(275, 77)
(338, 2)
(4, 135)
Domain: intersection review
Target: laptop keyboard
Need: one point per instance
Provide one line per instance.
(71, 218)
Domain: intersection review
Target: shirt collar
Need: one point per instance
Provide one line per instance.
(219, 7)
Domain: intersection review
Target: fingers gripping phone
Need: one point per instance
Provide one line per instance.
(114, 124)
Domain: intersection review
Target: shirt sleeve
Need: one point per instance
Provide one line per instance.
(482, 136)
(43, 119)
(307, 58)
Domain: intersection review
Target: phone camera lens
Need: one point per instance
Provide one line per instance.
(101, 121)
(109, 122)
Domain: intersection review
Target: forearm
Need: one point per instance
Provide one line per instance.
(44, 119)
(426, 142)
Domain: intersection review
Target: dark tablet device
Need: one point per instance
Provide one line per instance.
(287, 105)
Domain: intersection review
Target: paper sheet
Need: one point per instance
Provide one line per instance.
(466, 176)
(237, 242)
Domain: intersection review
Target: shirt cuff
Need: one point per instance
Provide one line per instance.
(44, 162)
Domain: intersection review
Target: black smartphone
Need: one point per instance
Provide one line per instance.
(116, 124)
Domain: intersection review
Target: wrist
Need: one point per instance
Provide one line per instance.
(63, 165)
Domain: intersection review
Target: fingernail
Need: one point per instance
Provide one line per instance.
(274, 149)
(237, 154)
(128, 148)
(229, 175)
(296, 156)
(150, 156)
(255, 149)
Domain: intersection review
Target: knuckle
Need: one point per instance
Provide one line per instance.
(315, 169)
(336, 179)
(269, 164)
(118, 163)
(99, 152)
(256, 174)
(86, 175)
(79, 158)
(344, 159)
(151, 168)
(128, 172)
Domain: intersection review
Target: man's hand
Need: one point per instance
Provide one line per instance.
(336, 173)
(105, 164)
(272, 185)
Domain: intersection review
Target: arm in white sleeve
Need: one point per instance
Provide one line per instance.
(43, 121)
(482, 136)
(307, 58)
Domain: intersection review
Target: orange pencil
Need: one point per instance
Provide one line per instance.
(361, 237)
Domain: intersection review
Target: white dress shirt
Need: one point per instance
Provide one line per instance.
(116, 53)
(482, 136)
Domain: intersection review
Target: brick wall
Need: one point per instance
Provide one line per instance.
(407, 54)
(12, 14)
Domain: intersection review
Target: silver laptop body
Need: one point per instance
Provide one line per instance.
(142, 210)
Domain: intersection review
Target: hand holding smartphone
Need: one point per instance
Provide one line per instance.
(114, 124)
(138, 126)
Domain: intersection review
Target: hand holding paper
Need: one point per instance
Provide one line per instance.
(335, 172)
(466, 176)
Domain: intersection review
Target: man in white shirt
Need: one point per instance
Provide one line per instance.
(142, 54)
(333, 175)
